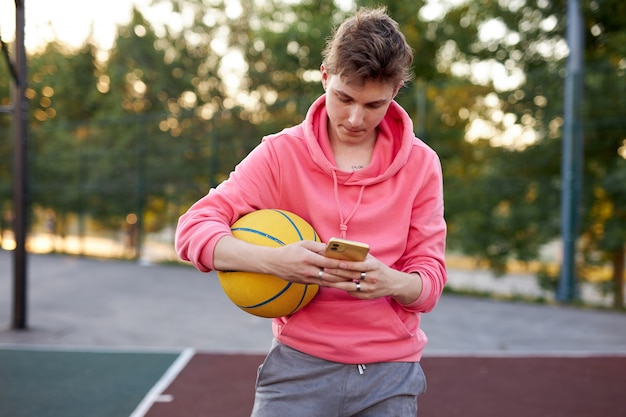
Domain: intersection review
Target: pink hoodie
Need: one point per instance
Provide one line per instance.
(395, 205)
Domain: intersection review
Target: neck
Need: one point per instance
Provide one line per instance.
(353, 157)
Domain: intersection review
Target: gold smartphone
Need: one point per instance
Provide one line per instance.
(347, 250)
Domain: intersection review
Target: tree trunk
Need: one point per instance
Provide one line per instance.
(618, 278)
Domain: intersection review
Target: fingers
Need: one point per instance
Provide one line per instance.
(317, 247)
(343, 275)
(319, 280)
(359, 284)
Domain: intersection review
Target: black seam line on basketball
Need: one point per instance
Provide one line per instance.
(247, 229)
(306, 288)
(292, 223)
(315, 236)
(302, 298)
(275, 296)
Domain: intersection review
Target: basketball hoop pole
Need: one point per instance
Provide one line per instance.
(20, 115)
(572, 153)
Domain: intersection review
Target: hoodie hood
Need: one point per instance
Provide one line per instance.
(391, 152)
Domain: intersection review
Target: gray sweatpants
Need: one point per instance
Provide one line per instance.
(292, 383)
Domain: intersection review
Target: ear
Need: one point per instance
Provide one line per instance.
(398, 89)
(324, 76)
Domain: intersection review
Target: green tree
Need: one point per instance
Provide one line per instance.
(6, 132)
(282, 46)
(61, 92)
(604, 232)
(149, 145)
(525, 40)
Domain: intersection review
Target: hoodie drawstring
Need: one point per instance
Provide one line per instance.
(343, 227)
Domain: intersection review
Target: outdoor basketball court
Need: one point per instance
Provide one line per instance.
(117, 339)
(53, 383)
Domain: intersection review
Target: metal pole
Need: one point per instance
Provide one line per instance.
(20, 114)
(571, 169)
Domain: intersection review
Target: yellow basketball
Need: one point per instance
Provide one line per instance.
(261, 294)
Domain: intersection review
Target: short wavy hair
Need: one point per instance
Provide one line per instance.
(369, 46)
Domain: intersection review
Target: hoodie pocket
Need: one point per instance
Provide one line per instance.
(351, 325)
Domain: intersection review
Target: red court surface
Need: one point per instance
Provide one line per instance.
(223, 385)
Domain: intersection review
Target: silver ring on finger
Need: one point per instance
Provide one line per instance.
(320, 274)
(362, 277)
(358, 285)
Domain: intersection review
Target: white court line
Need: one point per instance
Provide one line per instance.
(172, 372)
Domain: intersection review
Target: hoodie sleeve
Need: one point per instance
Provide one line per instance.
(426, 244)
(210, 218)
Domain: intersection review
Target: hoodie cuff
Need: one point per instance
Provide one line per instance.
(426, 300)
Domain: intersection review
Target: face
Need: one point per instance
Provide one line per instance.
(354, 110)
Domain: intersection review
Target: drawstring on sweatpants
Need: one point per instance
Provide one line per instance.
(361, 368)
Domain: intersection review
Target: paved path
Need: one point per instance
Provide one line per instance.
(87, 303)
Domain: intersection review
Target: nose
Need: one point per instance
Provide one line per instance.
(355, 115)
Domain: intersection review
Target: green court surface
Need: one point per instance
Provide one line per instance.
(63, 383)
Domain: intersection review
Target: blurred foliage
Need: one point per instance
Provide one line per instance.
(520, 183)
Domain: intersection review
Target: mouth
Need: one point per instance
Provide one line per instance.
(353, 131)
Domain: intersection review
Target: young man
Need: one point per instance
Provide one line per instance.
(353, 169)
